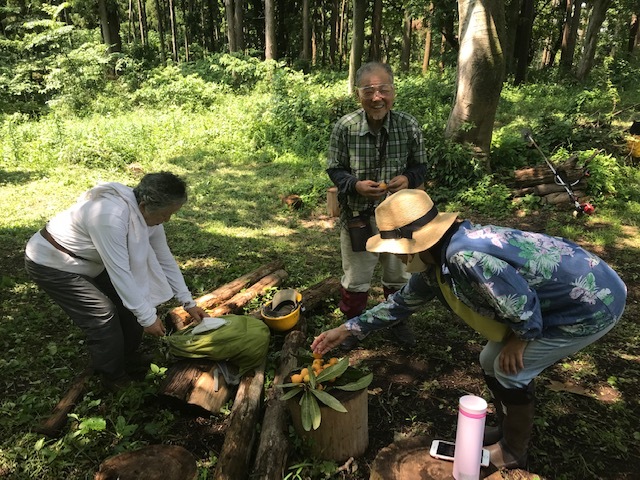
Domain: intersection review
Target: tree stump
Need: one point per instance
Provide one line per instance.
(340, 435)
(410, 458)
(195, 383)
(153, 462)
(333, 207)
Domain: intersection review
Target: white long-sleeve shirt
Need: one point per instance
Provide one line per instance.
(97, 230)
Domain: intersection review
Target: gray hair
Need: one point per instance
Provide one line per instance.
(161, 190)
(371, 66)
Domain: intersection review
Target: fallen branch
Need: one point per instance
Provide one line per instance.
(238, 440)
(58, 418)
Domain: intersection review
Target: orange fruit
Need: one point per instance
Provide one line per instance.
(382, 185)
(306, 378)
(333, 361)
(317, 355)
(296, 378)
(304, 371)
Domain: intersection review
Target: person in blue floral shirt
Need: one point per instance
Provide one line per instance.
(537, 298)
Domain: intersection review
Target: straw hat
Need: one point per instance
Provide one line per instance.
(409, 222)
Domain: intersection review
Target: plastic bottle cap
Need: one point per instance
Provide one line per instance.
(473, 405)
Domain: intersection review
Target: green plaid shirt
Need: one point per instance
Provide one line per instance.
(356, 150)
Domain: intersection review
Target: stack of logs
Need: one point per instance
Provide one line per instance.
(195, 382)
(541, 181)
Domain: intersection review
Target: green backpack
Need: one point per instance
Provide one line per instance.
(242, 341)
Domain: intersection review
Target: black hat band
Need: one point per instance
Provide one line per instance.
(407, 230)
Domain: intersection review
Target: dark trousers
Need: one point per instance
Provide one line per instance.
(112, 331)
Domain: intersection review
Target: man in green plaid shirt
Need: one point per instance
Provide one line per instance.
(373, 152)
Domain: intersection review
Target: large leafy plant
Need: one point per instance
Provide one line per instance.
(314, 382)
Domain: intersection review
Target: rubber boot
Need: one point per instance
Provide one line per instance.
(401, 333)
(511, 450)
(352, 304)
(493, 434)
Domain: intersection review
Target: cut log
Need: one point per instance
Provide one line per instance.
(340, 435)
(561, 198)
(273, 448)
(197, 384)
(410, 458)
(153, 462)
(529, 177)
(548, 188)
(235, 303)
(235, 457)
(181, 319)
(53, 425)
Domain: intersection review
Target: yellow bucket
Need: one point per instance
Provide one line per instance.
(283, 312)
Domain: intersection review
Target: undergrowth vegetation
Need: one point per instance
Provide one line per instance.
(244, 134)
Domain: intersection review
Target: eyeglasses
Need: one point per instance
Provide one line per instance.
(383, 89)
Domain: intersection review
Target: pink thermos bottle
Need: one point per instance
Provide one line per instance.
(472, 411)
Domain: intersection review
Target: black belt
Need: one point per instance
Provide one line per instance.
(47, 236)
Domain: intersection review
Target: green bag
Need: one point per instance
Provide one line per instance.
(243, 341)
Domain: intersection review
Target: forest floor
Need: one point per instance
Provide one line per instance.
(586, 423)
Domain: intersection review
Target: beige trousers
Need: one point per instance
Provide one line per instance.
(358, 267)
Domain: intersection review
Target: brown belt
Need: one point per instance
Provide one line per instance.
(47, 236)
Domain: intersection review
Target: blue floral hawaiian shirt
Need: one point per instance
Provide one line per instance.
(539, 285)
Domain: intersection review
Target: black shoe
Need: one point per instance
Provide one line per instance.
(137, 362)
(402, 335)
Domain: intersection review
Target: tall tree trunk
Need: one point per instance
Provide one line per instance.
(376, 31)
(306, 31)
(333, 35)
(110, 25)
(142, 21)
(131, 32)
(160, 14)
(238, 17)
(480, 75)
(552, 44)
(426, 59)
(185, 29)
(523, 42)
(512, 14)
(231, 25)
(570, 34)
(174, 30)
(357, 40)
(344, 27)
(633, 33)
(270, 50)
(598, 14)
(405, 58)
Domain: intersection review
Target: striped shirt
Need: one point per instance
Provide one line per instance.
(357, 153)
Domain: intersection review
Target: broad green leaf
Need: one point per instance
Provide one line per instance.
(291, 393)
(358, 385)
(309, 412)
(329, 400)
(334, 370)
(94, 423)
(312, 378)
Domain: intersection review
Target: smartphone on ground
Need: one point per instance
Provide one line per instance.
(446, 451)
